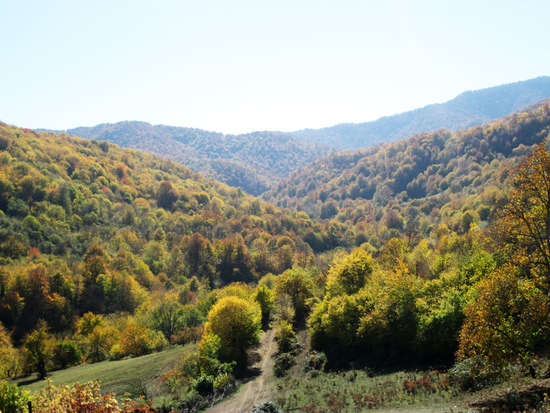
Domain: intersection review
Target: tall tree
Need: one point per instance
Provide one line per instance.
(40, 345)
(524, 223)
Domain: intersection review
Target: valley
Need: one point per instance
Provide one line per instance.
(410, 274)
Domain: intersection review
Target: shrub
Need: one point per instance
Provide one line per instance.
(12, 399)
(283, 363)
(476, 373)
(266, 407)
(192, 402)
(75, 399)
(315, 360)
(204, 385)
(285, 336)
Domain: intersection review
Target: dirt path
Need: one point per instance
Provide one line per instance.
(257, 389)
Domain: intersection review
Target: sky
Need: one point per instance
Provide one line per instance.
(240, 66)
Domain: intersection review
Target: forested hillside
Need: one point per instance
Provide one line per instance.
(254, 161)
(428, 251)
(469, 109)
(257, 161)
(422, 180)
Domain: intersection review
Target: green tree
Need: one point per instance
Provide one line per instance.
(297, 284)
(40, 345)
(264, 297)
(166, 317)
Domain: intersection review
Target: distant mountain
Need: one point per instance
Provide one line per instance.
(258, 161)
(469, 109)
(253, 161)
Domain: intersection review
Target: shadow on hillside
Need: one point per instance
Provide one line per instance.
(382, 361)
(28, 380)
(248, 374)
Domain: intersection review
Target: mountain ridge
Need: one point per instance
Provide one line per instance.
(258, 161)
(470, 108)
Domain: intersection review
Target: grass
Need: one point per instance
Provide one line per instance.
(133, 376)
(358, 390)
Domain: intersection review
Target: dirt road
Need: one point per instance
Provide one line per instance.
(257, 389)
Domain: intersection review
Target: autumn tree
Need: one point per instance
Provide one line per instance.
(39, 346)
(234, 261)
(237, 323)
(298, 285)
(350, 274)
(524, 223)
(166, 195)
(509, 318)
(9, 356)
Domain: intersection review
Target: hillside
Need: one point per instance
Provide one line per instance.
(253, 161)
(469, 109)
(429, 251)
(118, 225)
(429, 172)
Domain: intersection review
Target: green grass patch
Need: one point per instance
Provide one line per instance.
(134, 376)
(360, 390)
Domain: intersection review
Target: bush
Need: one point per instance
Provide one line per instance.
(285, 336)
(475, 373)
(75, 399)
(192, 402)
(12, 399)
(315, 360)
(266, 407)
(283, 363)
(204, 385)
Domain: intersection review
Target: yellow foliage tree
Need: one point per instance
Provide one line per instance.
(507, 320)
(237, 323)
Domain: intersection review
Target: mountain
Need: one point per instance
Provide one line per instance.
(425, 176)
(257, 161)
(253, 161)
(469, 109)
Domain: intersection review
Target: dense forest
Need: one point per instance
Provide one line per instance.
(257, 161)
(431, 250)
(254, 162)
(419, 181)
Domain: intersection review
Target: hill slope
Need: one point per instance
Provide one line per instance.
(117, 224)
(428, 170)
(469, 109)
(253, 161)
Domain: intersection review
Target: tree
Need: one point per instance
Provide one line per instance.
(234, 261)
(264, 297)
(238, 324)
(167, 318)
(39, 346)
(298, 284)
(9, 356)
(350, 274)
(509, 318)
(524, 224)
(137, 340)
(166, 195)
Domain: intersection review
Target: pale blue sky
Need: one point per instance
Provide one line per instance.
(239, 66)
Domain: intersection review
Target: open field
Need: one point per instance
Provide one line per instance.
(134, 376)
